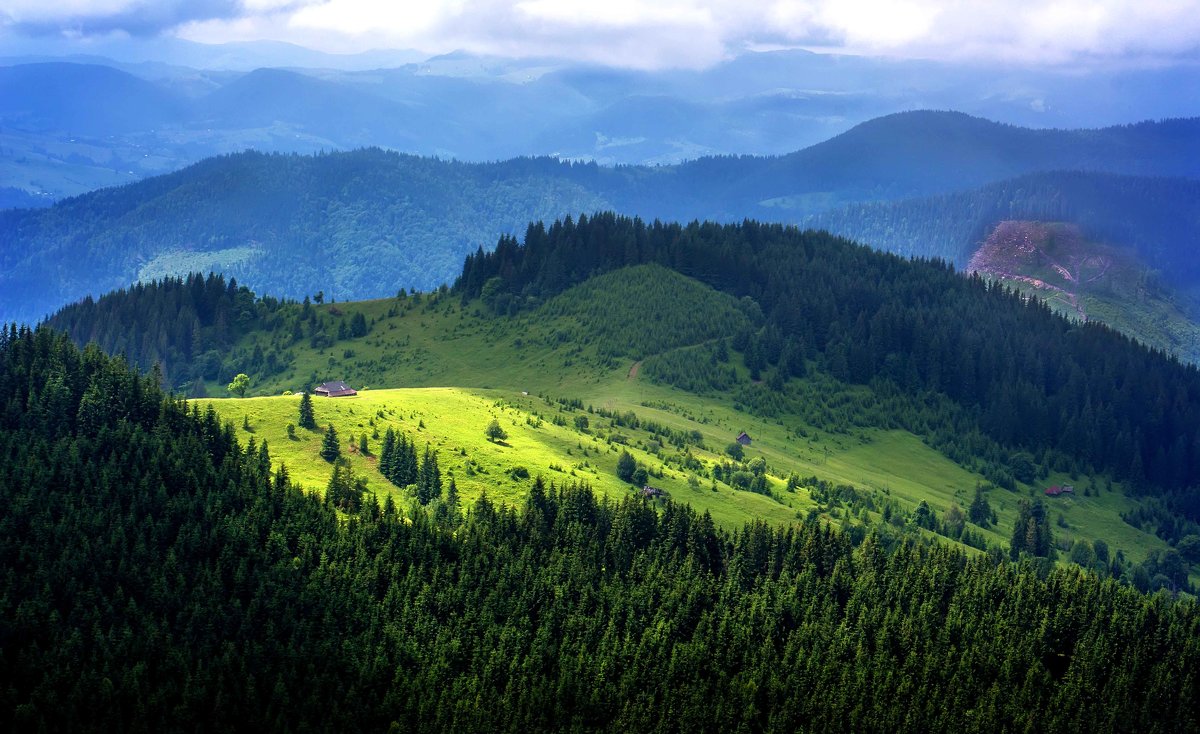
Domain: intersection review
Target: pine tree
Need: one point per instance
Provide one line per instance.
(387, 456)
(344, 490)
(429, 483)
(406, 472)
(338, 489)
(306, 413)
(626, 466)
(1031, 532)
(452, 498)
(331, 449)
(980, 512)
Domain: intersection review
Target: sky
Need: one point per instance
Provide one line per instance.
(651, 34)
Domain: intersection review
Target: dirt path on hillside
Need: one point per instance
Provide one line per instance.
(633, 369)
(1072, 278)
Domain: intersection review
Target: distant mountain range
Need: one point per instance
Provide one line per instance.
(291, 225)
(70, 125)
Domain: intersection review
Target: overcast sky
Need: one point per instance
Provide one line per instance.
(653, 33)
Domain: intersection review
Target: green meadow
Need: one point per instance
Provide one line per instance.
(440, 371)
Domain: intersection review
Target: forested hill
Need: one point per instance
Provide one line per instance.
(1157, 217)
(155, 576)
(349, 224)
(926, 152)
(365, 223)
(182, 327)
(1028, 378)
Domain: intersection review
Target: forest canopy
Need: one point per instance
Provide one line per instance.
(157, 575)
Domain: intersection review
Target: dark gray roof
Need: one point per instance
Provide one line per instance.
(337, 386)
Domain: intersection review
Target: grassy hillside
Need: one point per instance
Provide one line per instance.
(440, 371)
(885, 466)
(965, 393)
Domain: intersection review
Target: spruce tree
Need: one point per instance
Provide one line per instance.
(451, 502)
(429, 483)
(406, 471)
(626, 466)
(306, 413)
(980, 512)
(330, 448)
(387, 456)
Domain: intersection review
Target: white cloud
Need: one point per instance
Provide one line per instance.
(399, 18)
(655, 33)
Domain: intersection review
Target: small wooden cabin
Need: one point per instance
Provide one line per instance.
(336, 389)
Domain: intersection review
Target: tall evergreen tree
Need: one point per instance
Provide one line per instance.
(407, 469)
(626, 466)
(980, 512)
(1031, 531)
(307, 419)
(387, 456)
(429, 483)
(331, 449)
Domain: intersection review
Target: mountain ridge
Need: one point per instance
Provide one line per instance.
(762, 103)
(398, 200)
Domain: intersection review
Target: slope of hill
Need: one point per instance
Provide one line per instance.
(1086, 280)
(294, 225)
(1156, 216)
(874, 387)
(155, 574)
(354, 224)
(82, 100)
(933, 152)
(1153, 222)
(571, 409)
(267, 97)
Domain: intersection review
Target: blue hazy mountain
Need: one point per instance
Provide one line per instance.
(83, 99)
(291, 224)
(174, 103)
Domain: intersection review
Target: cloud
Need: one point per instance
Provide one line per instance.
(102, 17)
(84, 18)
(662, 33)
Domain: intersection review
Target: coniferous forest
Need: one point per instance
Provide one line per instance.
(1027, 379)
(993, 381)
(159, 577)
